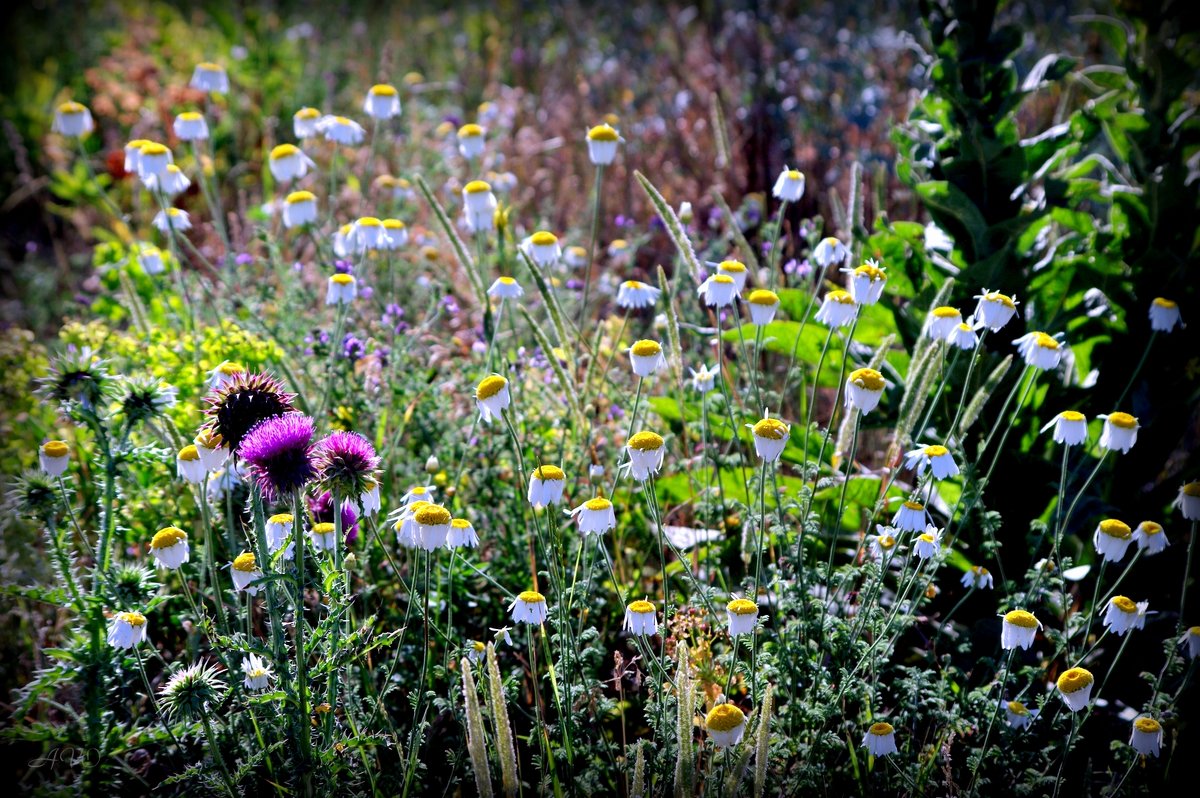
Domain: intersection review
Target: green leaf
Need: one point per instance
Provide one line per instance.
(952, 202)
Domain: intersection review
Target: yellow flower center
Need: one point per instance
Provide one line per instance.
(369, 221)
(724, 717)
(646, 441)
(1017, 708)
(549, 473)
(190, 116)
(1123, 420)
(742, 607)
(71, 107)
(1072, 415)
(132, 618)
(432, 515)
(925, 537)
(1124, 604)
(641, 607)
(1150, 528)
(936, 451)
(1074, 679)
(323, 528)
(383, 90)
(1045, 341)
(1114, 528)
(771, 428)
(300, 196)
(603, 132)
(54, 449)
(1163, 302)
(342, 279)
(393, 224)
(209, 66)
(598, 503)
(280, 518)
(342, 121)
(633, 283)
(154, 148)
(167, 537)
(1006, 301)
(870, 379)
(189, 454)
(475, 644)
(946, 312)
(285, 151)
(646, 348)
(1147, 725)
(794, 174)
(1194, 631)
(1021, 618)
(477, 187)
(914, 506)
(543, 238)
(1191, 489)
(490, 386)
(469, 131)
(731, 266)
(886, 541)
(722, 278)
(980, 570)
(839, 296)
(307, 113)
(881, 729)
(531, 597)
(870, 271)
(764, 297)
(245, 562)
(460, 523)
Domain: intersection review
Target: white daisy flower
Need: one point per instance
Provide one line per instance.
(770, 437)
(543, 249)
(864, 389)
(964, 335)
(641, 619)
(54, 457)
(170, 547)
(492, 397)
(1070, 428)
(596, 516)
(73, 119)
(126, 630)
(479, 206)
(911, 517)
(172, 219)
(935, 457)
(341, 130)
(1188, 501)
(461, 534)
(830, 252)
(189, 466)
(880, 739)
(1123, 614)
(1119, 433)
(306, 123)
(602, 141)
(1150, 537)
(382, 102)
(190, 126)
(978, 577)
(646, 357)
(719, 290)
(928, 543)
(288, 162)
(1112, 539)
(299, 208)
(742, 615)
(546, 485)
(941, 321)
(505, 288)
(703, 380)
(634, 295)
(995, 309)
(471, 140)
(735, 269)
(789, 186)
(1018, 630)
(867, 282)
(1040, 350)
(1146, 737)
(837, 309)
(1164, 315)
(258, 672)
(279, 529)
(1075, 687)
(726, 725)
(529, 607)
(763, 305)
(245, 570)
(1018, 715)
(646, 451)
(433, 526)
(210, 77)
(341, 290)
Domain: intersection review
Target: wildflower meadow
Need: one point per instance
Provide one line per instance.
(564, 399)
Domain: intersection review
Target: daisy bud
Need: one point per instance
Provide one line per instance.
(305, 122)
(245, 570)
(191, 126)
(880, 739)
(646, 357)
(763, 304)
(73, 119)
(995, 309)
(529, 607)
(210, 77)
(471, 140)
(342, 289)
(602, 143)
(742, 615)
(126, 630)
(726, 725)
(1119, 433)
(837, 309)
(941, 321)
(1112, 539)
(641, 619)
(299, 209)
(789, 186)
(382, 102)
(169, 547)
(189, 466)
(864, 389)
(1070, 428)
(287, 162)
(54, 457)
(1075, 687)
(634, 295)
(1164, 315)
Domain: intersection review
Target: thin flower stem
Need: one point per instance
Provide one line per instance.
(1138, 370)
(962, 400)
(487, 366)
(812, 301)
(750, 366)
(837, 519)
(587, 273)
(1066, 521)
(992, 722)
(773, 254)
(214, 747)
(299, 624)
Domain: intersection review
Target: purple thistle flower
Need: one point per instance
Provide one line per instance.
(244, 259)
(321, 508)
(346, 464)
(279, 452)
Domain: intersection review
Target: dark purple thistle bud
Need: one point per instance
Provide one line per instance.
(279, 452)
(346, 465)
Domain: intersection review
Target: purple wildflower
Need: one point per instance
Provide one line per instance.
(321, 508)
(244, 259)
(279, 452)
(346, 464)
(343, 267)
(352, 348)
